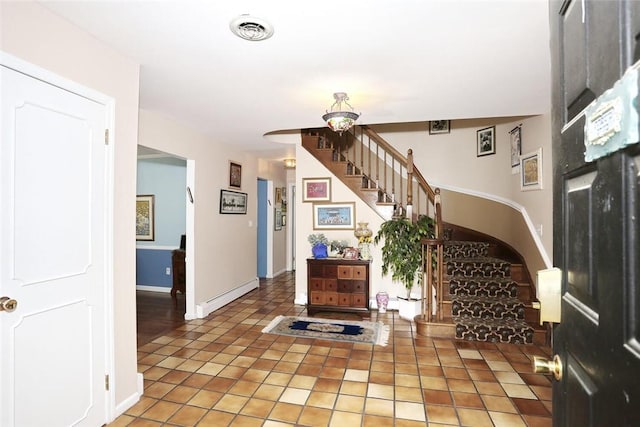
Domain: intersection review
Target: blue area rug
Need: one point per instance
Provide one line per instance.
(331, 329)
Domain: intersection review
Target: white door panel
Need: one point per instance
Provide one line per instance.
(52, 184)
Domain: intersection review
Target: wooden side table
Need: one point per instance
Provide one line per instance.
(178, 263)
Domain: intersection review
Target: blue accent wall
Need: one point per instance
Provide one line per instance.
(166, 179)
(151, 265)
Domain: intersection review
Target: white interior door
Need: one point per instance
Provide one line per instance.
(52, 255)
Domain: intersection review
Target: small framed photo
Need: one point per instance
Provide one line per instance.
(316, 189)
(235, 175)
(278, 195)
(278, 223)
(531, 171)
(351, 253)
(438, 126)
(334, 216)
(145, 221)
(486, 141)
(515, 136)
(233, 202)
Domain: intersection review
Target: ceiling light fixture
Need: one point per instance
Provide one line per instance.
(338, 119)
(289, 163)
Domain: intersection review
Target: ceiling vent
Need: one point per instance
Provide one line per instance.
(251, 28)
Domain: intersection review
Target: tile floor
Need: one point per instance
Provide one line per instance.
(222, 371)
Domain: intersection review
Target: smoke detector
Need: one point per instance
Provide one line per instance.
(251, 28)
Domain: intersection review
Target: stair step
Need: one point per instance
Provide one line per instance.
(494, 330)
(485, 267)
(479, 287)
(461, 249)
(487, 307)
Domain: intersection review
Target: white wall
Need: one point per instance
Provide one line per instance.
(34, 34)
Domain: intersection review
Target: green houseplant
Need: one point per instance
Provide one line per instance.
(402, 250)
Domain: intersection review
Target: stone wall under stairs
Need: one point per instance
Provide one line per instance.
(485, 305)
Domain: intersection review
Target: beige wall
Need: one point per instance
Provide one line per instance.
(450, 161)
(32, 33)
(220, 240)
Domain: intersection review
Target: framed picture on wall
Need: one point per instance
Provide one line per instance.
(233, 202)
(438, 126)
(531, 170)
(235, 175)
(334, 216)
(316, 189)
(515, 136)
(145, 226)
(278, 223)
(486, 141)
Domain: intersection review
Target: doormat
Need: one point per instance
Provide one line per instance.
(330, 329)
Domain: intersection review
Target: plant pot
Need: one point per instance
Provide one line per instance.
(319, 250)
(409, 308)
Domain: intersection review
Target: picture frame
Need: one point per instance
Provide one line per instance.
(351, 253)
(486, 141)
(439, 126)
(235, 175)
(278, 195)
(233, 202)
(515, 139)
(277, 224)
(334, 216)
(531, 171)
(316, 189)
(145, 217)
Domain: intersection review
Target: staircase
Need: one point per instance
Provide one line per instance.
(483, 295)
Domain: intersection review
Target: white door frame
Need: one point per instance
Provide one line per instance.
(47, 76)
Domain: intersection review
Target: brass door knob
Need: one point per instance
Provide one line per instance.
(547, 367)
(8, 304)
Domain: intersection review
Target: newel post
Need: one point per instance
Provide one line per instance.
(409, 177)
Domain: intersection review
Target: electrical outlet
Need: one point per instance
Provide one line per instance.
(168, 271)
(539, 230)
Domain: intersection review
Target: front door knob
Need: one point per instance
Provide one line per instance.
(547, 367)
(8, 304)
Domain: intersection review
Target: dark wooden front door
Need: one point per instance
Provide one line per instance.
(596, 213)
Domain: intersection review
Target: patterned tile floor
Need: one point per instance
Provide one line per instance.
(222, 371)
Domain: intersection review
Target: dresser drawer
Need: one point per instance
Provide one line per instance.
(358, 300)
(331, 285)
(345, 272)
(317, 298)
(344, 286)
(358, 286)
(331, 298)
(344, 299)
(359, 272)
(316, 284)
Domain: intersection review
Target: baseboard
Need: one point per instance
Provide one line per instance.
(279, 272)
(127, 403)
(208, 307)
(160, 289)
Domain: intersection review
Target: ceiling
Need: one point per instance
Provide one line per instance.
(398, 60)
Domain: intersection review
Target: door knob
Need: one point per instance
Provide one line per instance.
(8, 304)
(545, 366)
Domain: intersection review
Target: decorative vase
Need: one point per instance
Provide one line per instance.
(382, 298)
(363, 231)
(365, 250)
(319, 250)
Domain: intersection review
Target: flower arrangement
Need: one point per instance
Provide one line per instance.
(365, 239)
(339, 245)
(316, 238)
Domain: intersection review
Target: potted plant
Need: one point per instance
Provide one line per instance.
(319, 244)
(402, 251)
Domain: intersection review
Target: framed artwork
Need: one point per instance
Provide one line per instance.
(531, 170)
(334, 216)
(515, 136)
(486, 141)
(233, 202)
(278, 219)
(235, 175)
(145, 221)
(316, 189)
(351, 253)
(438, 126)
(278, 195)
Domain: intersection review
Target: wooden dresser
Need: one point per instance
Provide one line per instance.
(336, 284)
(179, 273)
